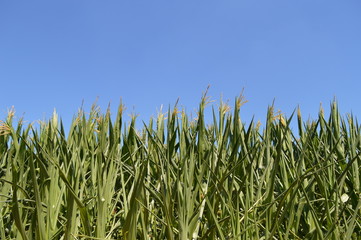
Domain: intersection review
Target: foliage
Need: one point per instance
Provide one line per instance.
(181, 179)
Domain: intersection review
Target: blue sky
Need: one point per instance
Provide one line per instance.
(55, 54)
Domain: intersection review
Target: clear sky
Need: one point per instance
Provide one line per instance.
(55, 54)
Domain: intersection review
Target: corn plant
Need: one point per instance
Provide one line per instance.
(181, 178)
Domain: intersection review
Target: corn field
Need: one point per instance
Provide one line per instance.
(181, 178)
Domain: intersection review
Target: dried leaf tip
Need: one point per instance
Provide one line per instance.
(55, 118)
(258, 125)
(4, 128)
(299, 113)
(241, 100)
(322, 111)
(274, 115)
(11, 113)
(282, 121)
(277, 116)
(224, 107)
(206, 99)
(121, 109)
